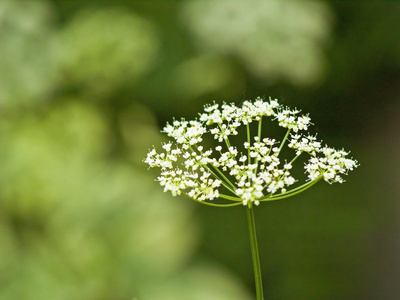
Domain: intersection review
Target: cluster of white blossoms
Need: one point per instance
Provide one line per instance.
(251, 173)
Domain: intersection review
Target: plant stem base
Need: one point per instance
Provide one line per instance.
(254, 253)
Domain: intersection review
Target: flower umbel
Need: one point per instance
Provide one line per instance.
(249, 173)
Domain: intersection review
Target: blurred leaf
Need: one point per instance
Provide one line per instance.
(275, 39)
(27, 70)
(206, 74)
(198, 283)
(101, 49)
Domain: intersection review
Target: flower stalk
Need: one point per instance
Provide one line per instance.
(254, 253)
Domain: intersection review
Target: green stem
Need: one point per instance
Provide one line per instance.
(225, 184)
(254, 253)
(283, 142)
(228, 144)
(226, 179)
(212, 204)
(227, 197)
(296, 157)
(293, 192)
(259, 140)
(248, 141)
(259, 128)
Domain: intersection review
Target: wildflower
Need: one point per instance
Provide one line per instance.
(250, 177)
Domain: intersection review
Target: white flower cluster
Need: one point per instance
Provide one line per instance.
(255, 175)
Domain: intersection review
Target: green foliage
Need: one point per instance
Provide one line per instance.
(27, 71)
(275, 39)
(101, 49)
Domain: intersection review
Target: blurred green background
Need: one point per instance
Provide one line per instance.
(85, 88)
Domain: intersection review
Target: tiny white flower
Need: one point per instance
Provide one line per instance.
(167, 147)
(243, 158)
